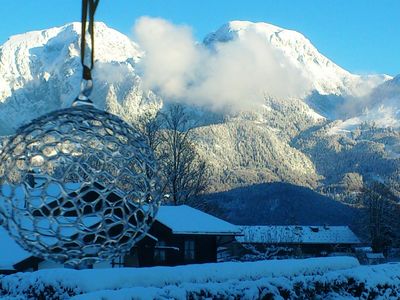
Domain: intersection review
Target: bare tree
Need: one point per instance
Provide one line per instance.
(150, 125)
(184, 173)
(381, 208)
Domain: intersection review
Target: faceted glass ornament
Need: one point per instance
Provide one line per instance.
(78, 186)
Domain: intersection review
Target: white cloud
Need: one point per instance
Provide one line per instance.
(235, 74)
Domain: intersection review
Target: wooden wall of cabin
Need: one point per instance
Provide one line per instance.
(237, 250)
(175, 250)
(172, 249)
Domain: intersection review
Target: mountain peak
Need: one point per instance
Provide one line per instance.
(41, 70)
(236, 28)
(326, 76)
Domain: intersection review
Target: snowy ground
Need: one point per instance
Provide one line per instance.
(318, 278)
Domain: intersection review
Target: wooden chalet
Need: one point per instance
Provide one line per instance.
(184, 235)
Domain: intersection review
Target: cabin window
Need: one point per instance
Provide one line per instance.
(159, 252)
(189, 250)
(117, 262)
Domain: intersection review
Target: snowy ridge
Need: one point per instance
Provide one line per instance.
(31, 55)
(40, 71)
(239, 150)
(326, 77)
(381, 108)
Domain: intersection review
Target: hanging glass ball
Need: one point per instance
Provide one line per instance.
(77, 186)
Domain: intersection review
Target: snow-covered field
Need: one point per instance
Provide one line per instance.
(314, 278)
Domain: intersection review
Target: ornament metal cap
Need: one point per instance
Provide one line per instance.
(83, 97)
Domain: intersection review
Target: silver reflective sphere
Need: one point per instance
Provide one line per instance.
(77, 186)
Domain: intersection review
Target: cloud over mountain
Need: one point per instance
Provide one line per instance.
(238, 73)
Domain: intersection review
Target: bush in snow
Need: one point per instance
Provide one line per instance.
(316, 278)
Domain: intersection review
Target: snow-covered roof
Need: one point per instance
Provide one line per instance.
(184, 219)
(10, 252)
(297, 235)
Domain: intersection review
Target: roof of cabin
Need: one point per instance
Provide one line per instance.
(183, 219)
(297, 235)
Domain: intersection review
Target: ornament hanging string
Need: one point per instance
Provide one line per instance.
(88, 6)
(88, 11)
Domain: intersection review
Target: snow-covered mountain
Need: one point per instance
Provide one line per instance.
(280, 140)
(334, 93)
(325, 76)
(40, 71)
(44, 66)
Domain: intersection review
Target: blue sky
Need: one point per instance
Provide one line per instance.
(363, 36)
